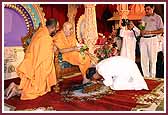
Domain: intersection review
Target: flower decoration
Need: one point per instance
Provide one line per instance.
(105, 51)
(142, 25)
(83, 48)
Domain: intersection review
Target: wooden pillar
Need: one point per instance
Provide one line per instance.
(72, 10)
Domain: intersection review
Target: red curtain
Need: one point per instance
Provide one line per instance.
(58, 11)
(100, 8)
(80, 11)
(112, 8)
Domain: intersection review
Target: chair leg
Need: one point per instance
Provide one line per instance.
(57, 88)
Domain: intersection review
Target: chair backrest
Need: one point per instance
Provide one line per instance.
(27, 39)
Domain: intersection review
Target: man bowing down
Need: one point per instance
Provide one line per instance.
(120, 73)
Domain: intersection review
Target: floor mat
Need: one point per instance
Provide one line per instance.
(104, 100)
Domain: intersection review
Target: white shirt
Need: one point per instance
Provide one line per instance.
(121, 73)
(129, 33)
(129, 42)
(153, 22)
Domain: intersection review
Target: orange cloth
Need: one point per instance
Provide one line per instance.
(73, 57)
(37, 70)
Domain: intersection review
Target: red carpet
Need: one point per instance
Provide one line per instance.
(118, 101)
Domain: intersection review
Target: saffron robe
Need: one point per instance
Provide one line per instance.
(73, 57)
(37, 70)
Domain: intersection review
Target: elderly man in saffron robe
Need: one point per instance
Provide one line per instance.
(66, 42)
(37, 70)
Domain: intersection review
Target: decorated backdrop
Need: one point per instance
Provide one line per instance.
(18, 18)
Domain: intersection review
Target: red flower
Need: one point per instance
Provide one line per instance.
(105, 51)
(102, 55)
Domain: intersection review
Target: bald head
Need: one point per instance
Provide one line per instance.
(67, 28)
(67, 24)
(51, 22)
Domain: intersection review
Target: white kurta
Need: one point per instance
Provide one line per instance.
(129, 42)
(121, 73)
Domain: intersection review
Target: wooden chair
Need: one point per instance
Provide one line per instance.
(63, 68)
(26, 39)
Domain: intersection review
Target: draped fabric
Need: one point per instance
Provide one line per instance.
(104, 12)
(100, 8)
(112, 8)
(59, 11)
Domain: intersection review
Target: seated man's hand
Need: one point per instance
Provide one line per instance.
(86, 52)
(77, 48)
(55, 48)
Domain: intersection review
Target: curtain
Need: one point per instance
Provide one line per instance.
(58, 11)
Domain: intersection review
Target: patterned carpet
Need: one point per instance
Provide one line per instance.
(100, 100)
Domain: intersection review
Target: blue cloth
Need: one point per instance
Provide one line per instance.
(62, 63)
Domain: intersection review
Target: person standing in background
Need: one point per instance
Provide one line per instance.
(149, 41)
(129, 34)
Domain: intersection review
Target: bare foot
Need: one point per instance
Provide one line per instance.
(9, 89)
(85, 80)
(15, 91)
(12, 90)
(12, 93)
